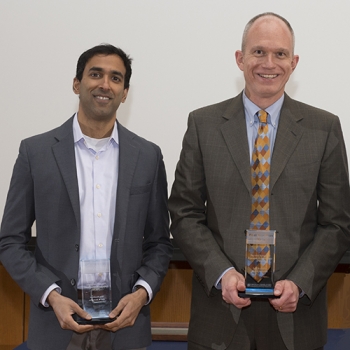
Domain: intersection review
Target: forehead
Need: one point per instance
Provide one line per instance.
(106, 63)
(269, 31)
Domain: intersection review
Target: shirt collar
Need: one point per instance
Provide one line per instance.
(78, 135)
(251, 109)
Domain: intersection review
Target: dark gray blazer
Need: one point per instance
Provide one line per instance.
(44, 189)
(210, 206)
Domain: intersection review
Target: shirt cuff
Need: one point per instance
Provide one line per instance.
(141, 282)
(48, 291)
(218, 281)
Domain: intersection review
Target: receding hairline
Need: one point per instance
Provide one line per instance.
(265, 14)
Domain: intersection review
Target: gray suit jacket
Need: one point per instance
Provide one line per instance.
(44, 189)
(210, 206)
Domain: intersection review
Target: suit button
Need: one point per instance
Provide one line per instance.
(77, 247)
(72, 282)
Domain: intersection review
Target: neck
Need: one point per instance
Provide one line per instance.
(96, 129)
(263, 103)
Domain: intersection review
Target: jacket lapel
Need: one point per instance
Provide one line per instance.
(234, 132)
(288, 136)
(128, 156)
(64, 154)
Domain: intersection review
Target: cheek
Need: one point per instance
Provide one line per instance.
(288, 71)
(250, 67)
(248, 73)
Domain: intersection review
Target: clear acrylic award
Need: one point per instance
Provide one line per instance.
(259, 263)
(96, 290)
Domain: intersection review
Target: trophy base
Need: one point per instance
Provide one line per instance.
(95, 320)
(257, 293)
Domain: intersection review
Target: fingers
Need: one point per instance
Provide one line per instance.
(82, 328)
(64, 309)
(82, 313)
(241, 286)
(125, 319)
(233, 282)
(66, 320)
(126, 311)
(288, 294)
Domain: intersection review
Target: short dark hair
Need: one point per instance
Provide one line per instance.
(265, 14)
(104, 49)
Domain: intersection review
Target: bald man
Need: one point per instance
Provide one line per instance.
(307, 203)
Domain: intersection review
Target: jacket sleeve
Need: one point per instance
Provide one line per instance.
(17, 221)
(188, 211)
(332, 237)
(157, 248)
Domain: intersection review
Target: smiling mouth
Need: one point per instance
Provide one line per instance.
(103, 98)
(268, 76)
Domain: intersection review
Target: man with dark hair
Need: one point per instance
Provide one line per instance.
(261, 161)
(105, 49)
(97, 192)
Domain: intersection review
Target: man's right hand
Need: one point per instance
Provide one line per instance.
(233, 282)
(64, 309)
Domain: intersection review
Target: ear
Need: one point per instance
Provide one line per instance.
(125, 95)
(295, 61)
(76, 86)
(239, 59)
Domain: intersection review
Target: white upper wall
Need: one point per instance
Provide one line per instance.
(183, 53)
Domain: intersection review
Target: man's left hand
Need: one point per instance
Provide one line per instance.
(288, 293)
(127, 310)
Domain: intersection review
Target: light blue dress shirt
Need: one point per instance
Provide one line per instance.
(251, 117)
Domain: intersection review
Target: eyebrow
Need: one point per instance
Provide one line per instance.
(99, 69)
(280, 49)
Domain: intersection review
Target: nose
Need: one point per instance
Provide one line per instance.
(269, 61)
(105, 83)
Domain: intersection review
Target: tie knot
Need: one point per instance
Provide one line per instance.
(262, 115)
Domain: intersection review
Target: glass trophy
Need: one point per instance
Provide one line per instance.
(259, 263)
(96, 290)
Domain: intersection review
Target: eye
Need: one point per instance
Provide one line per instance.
(259, 52)
(116, 78)
(281, 54)
(94, 75)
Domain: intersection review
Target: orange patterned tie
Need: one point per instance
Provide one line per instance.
(259, 219)
(258, 255)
